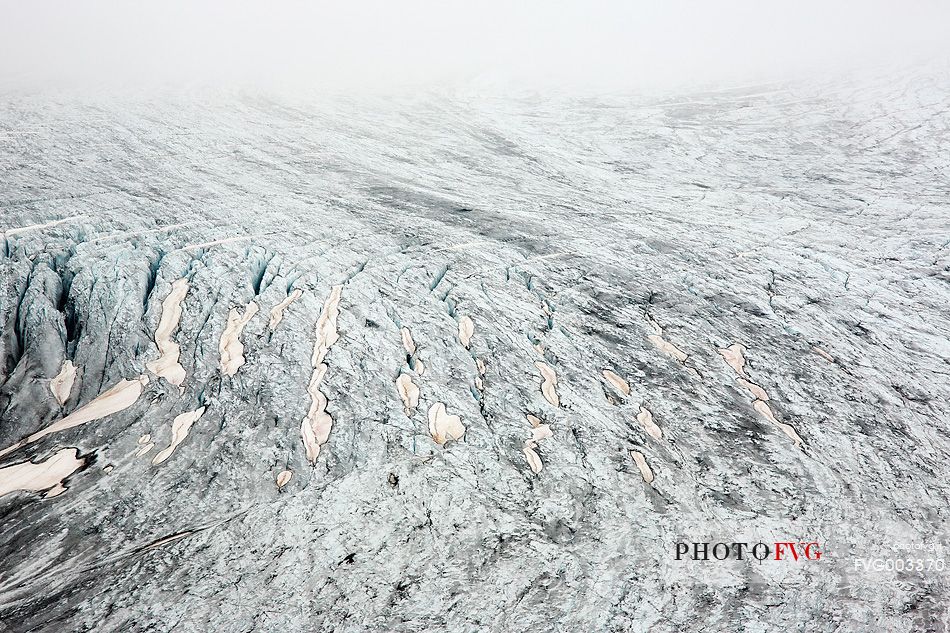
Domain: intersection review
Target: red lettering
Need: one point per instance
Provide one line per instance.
(780, 546)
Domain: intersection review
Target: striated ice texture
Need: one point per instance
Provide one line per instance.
(594, 255)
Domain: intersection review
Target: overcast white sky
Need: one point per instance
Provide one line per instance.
(367, 44)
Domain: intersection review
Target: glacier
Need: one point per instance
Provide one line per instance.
(471, 362)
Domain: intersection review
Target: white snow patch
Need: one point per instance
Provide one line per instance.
(45, 475)
(277, 312)
(444, 427)
(62, 385)
(230, 346)
(120, 397)
(316, 425)
(167, 365)
(548, 383)
(181, 425)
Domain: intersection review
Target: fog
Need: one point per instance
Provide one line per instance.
(374, 44)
